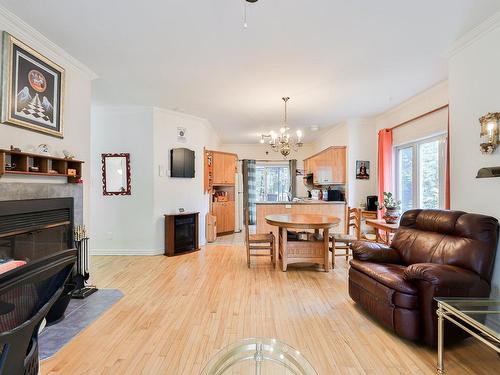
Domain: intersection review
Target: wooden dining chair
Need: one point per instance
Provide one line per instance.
(344, 240)
(255, 243)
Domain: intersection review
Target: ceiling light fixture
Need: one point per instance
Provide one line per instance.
(245, 24)
(284, 142)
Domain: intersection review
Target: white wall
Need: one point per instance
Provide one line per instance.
(134, 225)
(360, 137)
(426, 101)
(76, 114)
(170, 194)
(123, 224)
(474, 91)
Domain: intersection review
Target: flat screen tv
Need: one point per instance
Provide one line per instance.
(181, 163)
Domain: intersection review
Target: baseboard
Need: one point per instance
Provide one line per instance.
(134, 252)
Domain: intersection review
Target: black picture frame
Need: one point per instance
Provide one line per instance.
(32, 89)
(362, 170)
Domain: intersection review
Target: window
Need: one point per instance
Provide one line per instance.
(420, 173)
(272, 182)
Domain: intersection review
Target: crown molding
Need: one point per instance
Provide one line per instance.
(26, 33)
(473, 35)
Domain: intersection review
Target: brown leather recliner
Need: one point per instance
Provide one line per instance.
(433, 254)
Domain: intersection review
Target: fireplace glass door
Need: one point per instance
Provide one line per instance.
(36, 244)
(184, 233)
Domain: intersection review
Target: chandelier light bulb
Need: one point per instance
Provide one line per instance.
(299, 133)
(261, 139)
(282, 130)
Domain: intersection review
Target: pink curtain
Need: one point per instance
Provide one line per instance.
(447, 188)
(384, 163)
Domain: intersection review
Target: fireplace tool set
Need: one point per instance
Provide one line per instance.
(82, 290)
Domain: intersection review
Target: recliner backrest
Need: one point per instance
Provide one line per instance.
(448, 237)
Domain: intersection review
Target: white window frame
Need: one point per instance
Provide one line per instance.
(274, 164)
(415, 145)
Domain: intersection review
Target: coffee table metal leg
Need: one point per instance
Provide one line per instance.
(440, 361)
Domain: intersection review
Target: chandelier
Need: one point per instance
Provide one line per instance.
(284, 142)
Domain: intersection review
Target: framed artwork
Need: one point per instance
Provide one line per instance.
(32, 89)
(116, 178)
(362, 170)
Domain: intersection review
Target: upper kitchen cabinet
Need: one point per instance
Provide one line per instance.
(328, 167)
(224, 168)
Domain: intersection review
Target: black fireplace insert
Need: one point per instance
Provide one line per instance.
(35, 228)
(185, 227)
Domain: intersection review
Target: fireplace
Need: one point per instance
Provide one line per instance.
(35, 228)
(181, 233)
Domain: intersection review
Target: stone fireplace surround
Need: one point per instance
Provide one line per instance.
(28, 190)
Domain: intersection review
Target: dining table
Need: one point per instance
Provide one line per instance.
(313, 247)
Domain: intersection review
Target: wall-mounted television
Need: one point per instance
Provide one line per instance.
(181, 163)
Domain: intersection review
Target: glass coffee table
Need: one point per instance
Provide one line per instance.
(258, 357)
(480, 317)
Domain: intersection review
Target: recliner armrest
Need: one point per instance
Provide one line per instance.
(442, 275)
(375, 252)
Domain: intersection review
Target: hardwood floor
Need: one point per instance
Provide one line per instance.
(178, 312)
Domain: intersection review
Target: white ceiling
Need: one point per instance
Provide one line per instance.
(335, 58)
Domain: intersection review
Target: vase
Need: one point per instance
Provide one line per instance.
(391, 215)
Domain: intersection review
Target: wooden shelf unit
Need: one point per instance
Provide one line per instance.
(45, 163)
(219, 176)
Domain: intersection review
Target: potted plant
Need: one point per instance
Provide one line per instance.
(392, 208)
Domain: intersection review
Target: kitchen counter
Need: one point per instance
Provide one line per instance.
(302, 202)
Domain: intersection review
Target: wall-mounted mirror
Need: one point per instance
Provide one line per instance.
(116, 174)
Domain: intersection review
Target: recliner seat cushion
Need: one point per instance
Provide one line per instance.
(390, 275)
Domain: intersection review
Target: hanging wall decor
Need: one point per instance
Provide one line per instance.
(362, 170)
(33, 89)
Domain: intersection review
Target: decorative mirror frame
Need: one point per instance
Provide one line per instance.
(128, 191)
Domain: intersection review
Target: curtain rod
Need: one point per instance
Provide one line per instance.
(420, 116)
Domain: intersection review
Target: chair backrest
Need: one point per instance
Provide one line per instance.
(353, 220)
(26, 295)
(246, 220)
(448, 237)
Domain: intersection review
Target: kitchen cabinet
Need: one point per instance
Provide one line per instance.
(329, 166)
(229, 168)
(307, 166)
(218, 168)
(224, 168)
(224, 212)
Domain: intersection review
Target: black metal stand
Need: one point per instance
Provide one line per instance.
(82, 290)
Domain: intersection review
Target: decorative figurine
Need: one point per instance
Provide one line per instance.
(68, 155)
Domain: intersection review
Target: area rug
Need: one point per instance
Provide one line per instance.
(79, 315)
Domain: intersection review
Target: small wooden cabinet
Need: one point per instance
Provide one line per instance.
(220, 172)
(224, 168)
(224, 212)
(181, 233)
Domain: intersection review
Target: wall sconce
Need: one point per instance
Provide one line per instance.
(489, 132)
